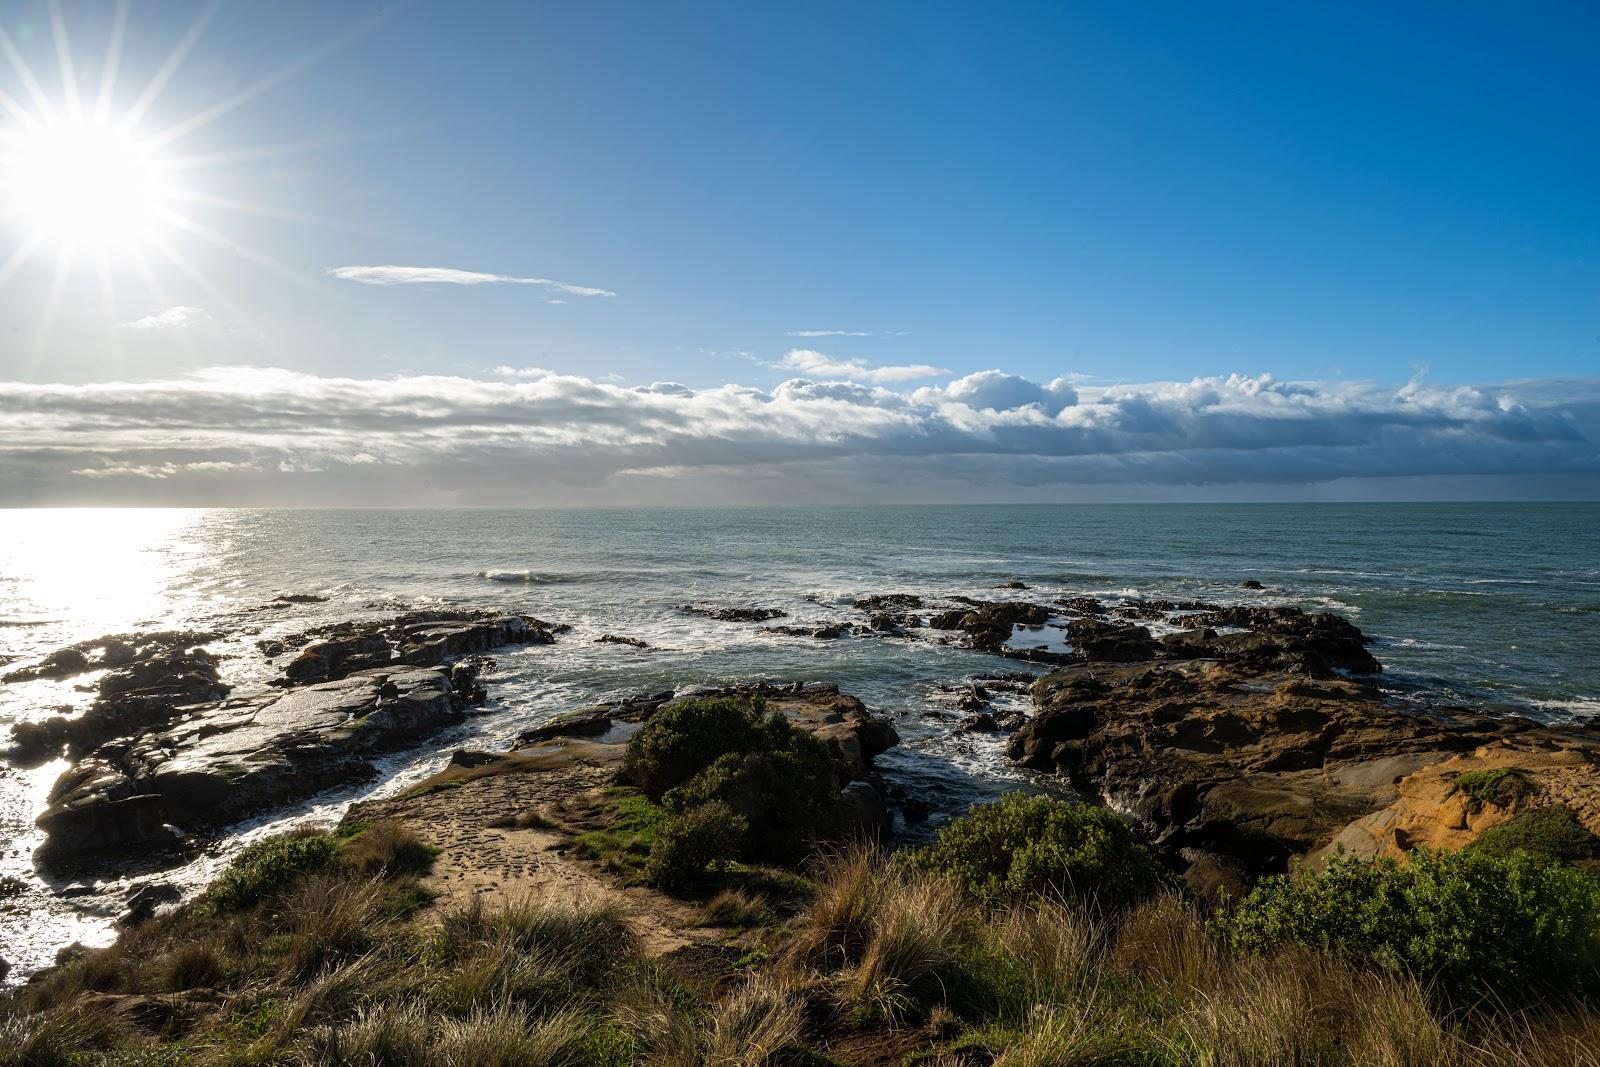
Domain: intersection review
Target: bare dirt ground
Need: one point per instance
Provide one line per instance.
(470, 814)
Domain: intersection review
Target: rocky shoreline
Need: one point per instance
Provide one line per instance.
(1242, 741)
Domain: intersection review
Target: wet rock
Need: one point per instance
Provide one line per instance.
(143, 694)
(988, 626)
(1251, 583)
(889, 601)
(983, 722)
(143, 902)
(614, 639)
(1189, 644)
(466, 757)
(1012, 584)
(112, 650)
(1011, 720)
(417, 641)
(915, 809)
(1286, 637)
(887, 622)
(829, 632)
(1110, 642)
(863, 813)
(240, 758)
(300, 598)
(1083, 605)
(167, 752)
(733, 614)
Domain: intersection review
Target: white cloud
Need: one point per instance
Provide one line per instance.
(994, 390)
(808, 361)
(451, 276)
(244, 435)
(174, 318)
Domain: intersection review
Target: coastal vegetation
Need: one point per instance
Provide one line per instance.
(668, 880)
(1032, 931)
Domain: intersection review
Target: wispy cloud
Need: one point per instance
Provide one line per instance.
(809, 361)
(847, 333)
(246, 435)
(391, 275)
(174, 318)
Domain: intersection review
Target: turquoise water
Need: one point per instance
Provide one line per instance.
(1492, 605)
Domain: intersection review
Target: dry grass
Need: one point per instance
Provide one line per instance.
(325, 972)
(736, 907)
(1055, 983)
(753, 1024)
(330, 920)
(388, 848)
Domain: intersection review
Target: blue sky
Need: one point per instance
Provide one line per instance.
(1104, 193)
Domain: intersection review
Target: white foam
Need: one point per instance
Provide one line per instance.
(513, 576)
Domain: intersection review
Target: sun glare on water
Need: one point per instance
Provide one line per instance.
(83, 182)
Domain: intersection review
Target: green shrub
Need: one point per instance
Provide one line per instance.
(689, 842)
(680, 739)
(1552, 834)
(1500, 785)
(1472, 921)
(778, 778)
(1026, 846)
(787, 791)
(268, 865)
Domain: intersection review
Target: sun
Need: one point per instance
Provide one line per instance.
(82, 182)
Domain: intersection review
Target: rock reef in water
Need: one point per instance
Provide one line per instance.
(166, 751)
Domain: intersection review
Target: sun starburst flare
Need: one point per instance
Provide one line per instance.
(84, 183)
(92, 183)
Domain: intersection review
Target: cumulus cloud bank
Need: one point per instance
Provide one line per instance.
(223, 434)
(451, 276)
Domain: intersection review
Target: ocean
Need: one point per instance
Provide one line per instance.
(1491, 605)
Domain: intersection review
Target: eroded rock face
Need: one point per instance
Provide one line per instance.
(1258, 766)
(1431, 811)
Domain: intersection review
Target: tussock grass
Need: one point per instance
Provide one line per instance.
(388, 848)
(736, 907)
(1059, 982)
(327, 965)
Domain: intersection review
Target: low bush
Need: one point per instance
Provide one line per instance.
(786, 792)
(728, 750)
(267, 866)
(1472, 922)
(1030, 846)
(1552, 834)
(681, 739)
(1499, 785)
(690, 841)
